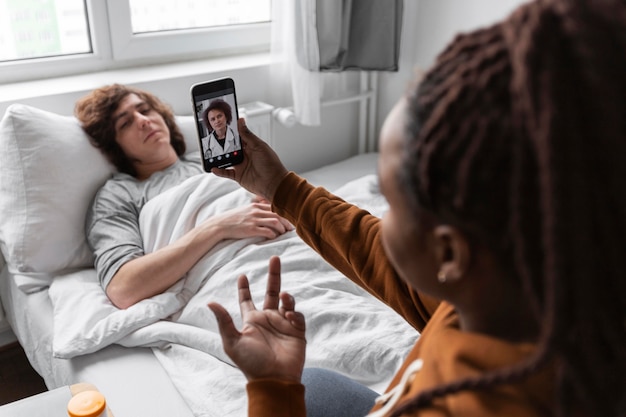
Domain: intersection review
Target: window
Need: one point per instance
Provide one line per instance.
(35, 29)
(161, 15)
(46, 38)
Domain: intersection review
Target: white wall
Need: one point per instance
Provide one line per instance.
(428, 26)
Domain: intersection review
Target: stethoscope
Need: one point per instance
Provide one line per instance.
(209, 154)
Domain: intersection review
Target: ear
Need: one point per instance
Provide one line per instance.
(453, 253)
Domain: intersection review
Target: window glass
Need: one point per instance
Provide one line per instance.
(42, 28)
(162, 15)
(53, 38)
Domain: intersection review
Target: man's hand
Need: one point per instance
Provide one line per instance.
(261, 170)
(255, 219)
(272, 341)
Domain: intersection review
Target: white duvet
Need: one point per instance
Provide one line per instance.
(348, 330)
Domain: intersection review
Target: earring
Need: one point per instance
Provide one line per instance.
(442, 277)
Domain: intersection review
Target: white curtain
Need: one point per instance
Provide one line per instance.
(294, 23)
(309, 36)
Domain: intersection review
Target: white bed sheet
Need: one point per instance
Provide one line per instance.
(131, 378)
(335, 175)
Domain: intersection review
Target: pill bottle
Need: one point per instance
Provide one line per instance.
(87, 404)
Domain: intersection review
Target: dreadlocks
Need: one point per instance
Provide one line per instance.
(518, 133)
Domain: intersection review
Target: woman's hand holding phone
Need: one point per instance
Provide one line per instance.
(262, 170)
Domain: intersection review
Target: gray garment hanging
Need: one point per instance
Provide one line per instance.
(358, 34)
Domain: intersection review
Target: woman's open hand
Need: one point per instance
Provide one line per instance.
(272, 341)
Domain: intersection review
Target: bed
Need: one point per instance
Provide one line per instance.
(163, 356)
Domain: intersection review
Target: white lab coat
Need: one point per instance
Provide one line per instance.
(212, 148)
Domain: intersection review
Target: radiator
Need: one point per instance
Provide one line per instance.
(259, 117)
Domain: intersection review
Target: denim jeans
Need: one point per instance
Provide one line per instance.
(329, 394)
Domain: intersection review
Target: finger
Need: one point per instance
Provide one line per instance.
(248, 138)
(287, 309)
(266, 206)
(267, 227)
(288, 303)
(296, 319)
(224, 173)
(264, 232)
(274, 224)
(245, 299)
(286, 224)
(243, 128)
(227, 329)
(259, 199)
(263, 205)
(281, 224)
(273, 285)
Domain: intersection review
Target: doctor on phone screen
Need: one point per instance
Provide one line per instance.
(222, 138)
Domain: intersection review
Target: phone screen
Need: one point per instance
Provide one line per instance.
(216, 114)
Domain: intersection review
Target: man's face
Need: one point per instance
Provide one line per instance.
(141, 131)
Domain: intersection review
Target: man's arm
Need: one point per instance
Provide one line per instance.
(153, 273)
(149, 274)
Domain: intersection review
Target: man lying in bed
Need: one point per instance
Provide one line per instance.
(138, 134)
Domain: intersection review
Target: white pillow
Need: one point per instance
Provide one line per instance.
(187, 126)
(49, 174)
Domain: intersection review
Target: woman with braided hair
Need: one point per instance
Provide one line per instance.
(504, 170)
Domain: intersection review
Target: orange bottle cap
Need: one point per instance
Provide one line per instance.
(86, 404)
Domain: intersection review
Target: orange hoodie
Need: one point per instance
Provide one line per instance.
(349, 239)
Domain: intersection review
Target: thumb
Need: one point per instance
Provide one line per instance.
(230, 174)
(248, 137)
(230, 335)
(243, 127)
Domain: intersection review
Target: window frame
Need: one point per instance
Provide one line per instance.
(222, 40)
(116, 47)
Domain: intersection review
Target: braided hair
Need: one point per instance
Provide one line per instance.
(518, 133)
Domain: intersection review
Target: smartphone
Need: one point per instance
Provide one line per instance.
(215, 112)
